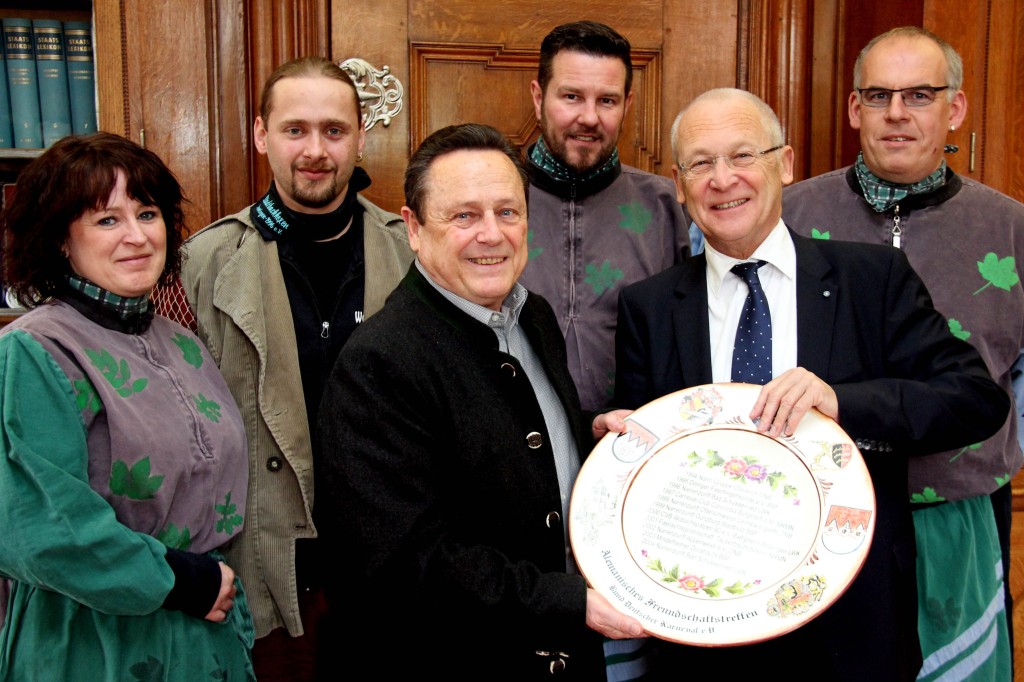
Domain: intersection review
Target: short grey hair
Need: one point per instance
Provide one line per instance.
(954, 64)
(769, 121)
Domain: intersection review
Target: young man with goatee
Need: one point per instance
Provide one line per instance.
(277, 289)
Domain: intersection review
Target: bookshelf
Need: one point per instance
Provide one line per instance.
(54, 126)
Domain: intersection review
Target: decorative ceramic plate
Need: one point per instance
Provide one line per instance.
(710, 533)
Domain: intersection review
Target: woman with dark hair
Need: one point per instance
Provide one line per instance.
(122, 455)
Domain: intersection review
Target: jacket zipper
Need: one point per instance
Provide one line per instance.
(897, 233)
(572, 252)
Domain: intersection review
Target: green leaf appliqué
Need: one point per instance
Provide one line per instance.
(118, 373)
(150, 670)
(601, 279)
(532, 253)
(972, 446)
(957, 330)
(207, 407)
(86, 396)
(134, 483)
(1000, 272)
(190, 350)
(927, 495)
(174, 538)
(816, 234)
(228, 518)
(635, 217)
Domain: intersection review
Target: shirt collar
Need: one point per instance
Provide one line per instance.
(777, 250)
(510, 307)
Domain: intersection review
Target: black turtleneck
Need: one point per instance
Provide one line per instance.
(324, 279)
(325, 285)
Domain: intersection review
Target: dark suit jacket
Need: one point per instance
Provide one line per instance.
(449, 516)
(906, 386)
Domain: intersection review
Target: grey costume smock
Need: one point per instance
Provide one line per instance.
(119, 450)
(586, 242)
(963, 239)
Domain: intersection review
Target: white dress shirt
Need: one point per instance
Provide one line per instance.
(727, 294)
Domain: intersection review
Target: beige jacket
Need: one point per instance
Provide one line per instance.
(233, 280)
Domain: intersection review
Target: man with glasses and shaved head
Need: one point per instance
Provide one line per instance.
(961, 237)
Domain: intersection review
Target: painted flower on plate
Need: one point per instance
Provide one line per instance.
(691, 582)
(756, 472)
(735, 467)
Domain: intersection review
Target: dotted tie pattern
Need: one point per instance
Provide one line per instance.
(752, 350)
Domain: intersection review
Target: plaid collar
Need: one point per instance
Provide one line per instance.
(546, 161)
(120, 306)
(883, 195)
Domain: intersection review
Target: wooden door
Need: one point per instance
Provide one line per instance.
(463, 61)
(183, 79)
(989, 35)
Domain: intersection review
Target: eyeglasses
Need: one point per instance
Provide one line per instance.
(917, 96)
(700, 167)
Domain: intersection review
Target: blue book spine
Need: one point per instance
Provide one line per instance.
(81, 76)
(52, 74)
(21, 83)
(6, 131)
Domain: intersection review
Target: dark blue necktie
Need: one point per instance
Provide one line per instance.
(752, 351)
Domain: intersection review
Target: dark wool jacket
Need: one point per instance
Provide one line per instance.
(447, 511)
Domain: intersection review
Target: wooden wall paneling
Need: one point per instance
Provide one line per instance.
(692, 45)
(965, 26)
(839, 29)
(450, 89)
(699, 53)
(518, 31)
(231, 151)
(110, 48)
(278, 31)
(461, 80)
(988, 35)
(524, 23)
(466, 82)
(1004, 115)
(168, 97)
(777, 67)
(826, 115)
(157, 96)
(377, 31)
(860, 22)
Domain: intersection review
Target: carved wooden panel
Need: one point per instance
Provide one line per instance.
(463, 61)
(471, 82)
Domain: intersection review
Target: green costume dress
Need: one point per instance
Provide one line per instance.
(117, 449)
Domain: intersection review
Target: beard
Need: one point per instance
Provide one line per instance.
(582, 162)
(319, 193)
